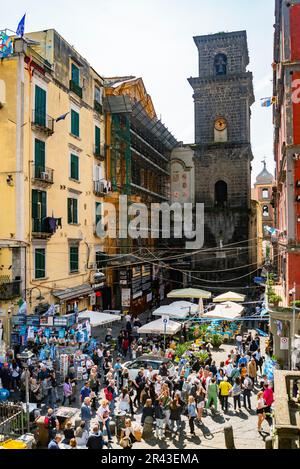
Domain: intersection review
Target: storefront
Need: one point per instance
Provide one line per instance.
(136, 292)
(74, 299)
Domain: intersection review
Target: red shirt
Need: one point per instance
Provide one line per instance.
(268, 397)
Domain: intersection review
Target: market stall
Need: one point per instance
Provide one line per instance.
(98, 319)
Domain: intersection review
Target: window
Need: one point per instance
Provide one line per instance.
(101, 260)
(265, 211)
(39, 263)
(74, 258)
(98, 212)
(220, 64)
(97, 140)
(73, 211)
(40, 106)
(74, 169)
(265, 193)
(75, 75)
(221, 194)
(39, 210)
(74, 123)
(98, 95)
(39, 158)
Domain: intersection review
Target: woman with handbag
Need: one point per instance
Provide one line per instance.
(127, 435)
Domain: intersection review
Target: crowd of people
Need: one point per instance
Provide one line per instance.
(166, 401)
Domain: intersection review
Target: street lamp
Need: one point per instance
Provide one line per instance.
(24, 357)
(39, 298)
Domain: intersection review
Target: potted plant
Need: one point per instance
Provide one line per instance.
(216, 340)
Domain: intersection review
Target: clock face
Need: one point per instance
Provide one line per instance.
(220, 124)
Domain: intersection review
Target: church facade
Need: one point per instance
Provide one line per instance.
(223, 95)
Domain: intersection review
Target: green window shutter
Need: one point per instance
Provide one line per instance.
(44, 204)
(39, 158)
(75, 167)
(40, 106)
(75, 75)
(97, 140)
(74, 264)
(75, 123)
(70, 211)
(75, 210)
(40, 263)
(34, 203)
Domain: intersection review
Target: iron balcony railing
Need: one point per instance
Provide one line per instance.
(99, 152)
(43, 122)
(41, 228)
(42, 174)
(12, 421)
(99, 187)
(98, 107)
(10, 290)
(76, 88)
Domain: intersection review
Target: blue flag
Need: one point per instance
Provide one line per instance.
(21, 27)
(61, 118)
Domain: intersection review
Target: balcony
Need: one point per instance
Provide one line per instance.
(98, 107)
(99, 152)
(10, 290)
(42, 228)
(76, 88)
(102, 188)
(42, 122)
(42, 175)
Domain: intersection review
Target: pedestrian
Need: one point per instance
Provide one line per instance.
(124, 401)
(51, 424)
(148, 411)
(103, 414)
(176, 408)
(192, 414)
(139, 383)
(225, 388)
(252, 370)
(160, 420)
(85, 391)
(96, 440)
(260, 410)
(127, 435)
(67, 391)
(200, 400)
(55, 441)
(236, 393)
(86, 412)
(212, 395)
(68, 433)
(81, 434)
(247, 387)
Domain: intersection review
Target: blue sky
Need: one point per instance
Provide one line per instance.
(154, 39)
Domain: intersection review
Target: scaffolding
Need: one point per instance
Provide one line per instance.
(120, 167)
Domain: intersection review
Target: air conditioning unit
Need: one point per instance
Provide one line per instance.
(45, 176)
(57, 309)
(92, 266)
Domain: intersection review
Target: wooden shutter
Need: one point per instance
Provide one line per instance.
(75, 210)
(97, 140)
(34, 203)
(40, 263)
(75, 75)
(75, 123)
(74, 259)
(70, 211)
(75, 167)
(39, 157)
(40, 106)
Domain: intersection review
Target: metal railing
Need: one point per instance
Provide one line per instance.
(99, 152)
(44, 122)
(43, 174)
(10, 290)
(12, 420)
(40, 228)
(75, 88)
(98, 107)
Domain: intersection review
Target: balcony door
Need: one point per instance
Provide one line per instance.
(39, 158)
(39, 210)
(40, 106)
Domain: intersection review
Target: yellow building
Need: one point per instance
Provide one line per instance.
(52, 176)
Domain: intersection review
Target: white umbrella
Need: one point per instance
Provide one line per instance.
(157, 328)
(189, 293)
(225, 311)
(99, 319)
(229, 296)
(172, 312)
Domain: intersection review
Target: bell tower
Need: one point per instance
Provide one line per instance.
(223, 95)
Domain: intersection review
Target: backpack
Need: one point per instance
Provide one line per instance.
(125, 344)
(108, 394)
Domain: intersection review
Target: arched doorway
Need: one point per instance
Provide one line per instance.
(221, 194)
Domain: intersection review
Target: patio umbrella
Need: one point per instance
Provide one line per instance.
(225, 311)
(157, 328)
(229, 296)
(189, 293)
(172, 312)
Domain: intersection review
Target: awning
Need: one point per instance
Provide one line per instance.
(189, 293)
(99, 319)
(229, 296)
(157, 328)
(73, 293)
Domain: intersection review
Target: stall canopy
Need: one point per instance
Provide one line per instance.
(189, 293)
(177, 310)
(73, 293)
(99, 319)
(229, 296)
(225, 311)
(157, 328)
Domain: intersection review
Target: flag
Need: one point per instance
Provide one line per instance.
(62, 118)
(21, 27)
(266, 102)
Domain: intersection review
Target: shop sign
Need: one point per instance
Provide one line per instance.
(47, 321)
(33, 321)
(63, 322)
(137, 295)
(284, 343)
(126, 297)
(19, 320)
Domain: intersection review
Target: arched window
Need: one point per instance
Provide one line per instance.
(221, 194)
(266, 211)
(220, 64)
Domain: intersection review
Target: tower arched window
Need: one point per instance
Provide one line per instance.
(221, 194)
(220, 64)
